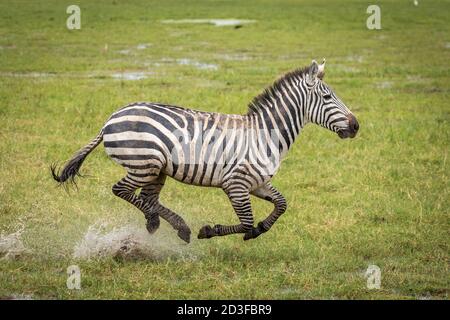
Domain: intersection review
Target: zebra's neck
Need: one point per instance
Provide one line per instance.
(280, 109)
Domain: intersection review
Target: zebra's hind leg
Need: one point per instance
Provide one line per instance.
(240, 200)
(269, 193)
(126, 189)
(151, 193)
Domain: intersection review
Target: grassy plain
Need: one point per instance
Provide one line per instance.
(382, 198)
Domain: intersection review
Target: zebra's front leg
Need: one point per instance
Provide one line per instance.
(240, 200)
(269, 193)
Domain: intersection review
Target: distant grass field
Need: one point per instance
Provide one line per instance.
(379, 199)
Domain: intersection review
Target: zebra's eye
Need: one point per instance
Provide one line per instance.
(327, 96)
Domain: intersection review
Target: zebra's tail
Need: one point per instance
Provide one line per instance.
(70, 170)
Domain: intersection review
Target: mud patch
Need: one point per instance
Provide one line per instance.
(129, 243)
(11, 245)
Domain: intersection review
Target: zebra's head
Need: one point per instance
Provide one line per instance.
(324, 108)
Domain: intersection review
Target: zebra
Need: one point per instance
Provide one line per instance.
(238, 153)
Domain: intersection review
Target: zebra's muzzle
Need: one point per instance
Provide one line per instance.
(351, 130)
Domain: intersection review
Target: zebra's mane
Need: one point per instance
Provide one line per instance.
(262, 101)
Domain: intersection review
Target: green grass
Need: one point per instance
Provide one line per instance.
(382, 198)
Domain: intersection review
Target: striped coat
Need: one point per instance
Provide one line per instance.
(238, 153)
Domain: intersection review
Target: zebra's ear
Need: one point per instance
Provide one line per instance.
(313, 71)
(321, 72)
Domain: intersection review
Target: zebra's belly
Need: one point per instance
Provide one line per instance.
(196, 174)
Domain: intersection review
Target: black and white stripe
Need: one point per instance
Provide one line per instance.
(238, 153)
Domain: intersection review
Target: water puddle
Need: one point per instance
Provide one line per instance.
(27, 74)
(197, 64)
(185, 62)
(215, 22)
(234, 57)
(131, 75)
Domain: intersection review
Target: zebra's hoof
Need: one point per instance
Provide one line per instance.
(250, 234)
(255, 232)
(185, 235)
(152, 224)
(206, 232)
